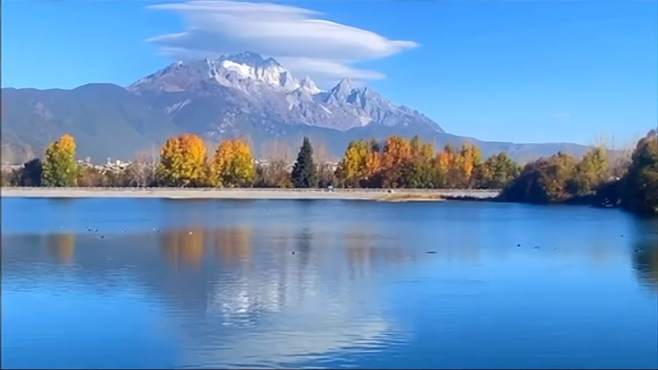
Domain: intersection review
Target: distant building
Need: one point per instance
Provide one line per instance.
(332, 165)
(11, 167)
(109, 166)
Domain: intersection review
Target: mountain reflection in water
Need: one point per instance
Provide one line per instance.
(150, 283)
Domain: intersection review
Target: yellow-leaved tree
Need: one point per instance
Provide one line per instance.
(419, 172)
(233, 165)
(469, 159)
(446, 162)
(59, 166)
(183, 162)
(353, 169)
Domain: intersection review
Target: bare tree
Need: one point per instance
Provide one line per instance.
(141, 172)
(320, 152)
(618, 154)
(275, 150)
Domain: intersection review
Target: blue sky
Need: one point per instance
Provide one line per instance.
(524, 71)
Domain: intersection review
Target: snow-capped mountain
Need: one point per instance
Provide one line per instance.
(242, 71)
(264, 87)
(239, 95)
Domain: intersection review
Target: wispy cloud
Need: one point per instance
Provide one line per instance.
(297, 37)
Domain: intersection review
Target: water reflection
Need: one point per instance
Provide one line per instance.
(343, 285)
(645, 261)
(223, 285)
(233, 245)
(185, 246)
(366, 252)
(63, 246)
(257, 294)
(645, 252)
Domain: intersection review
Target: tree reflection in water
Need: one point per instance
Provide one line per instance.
(645, 252)
(184, 246)
(220, 286)
(63, 246)
(233, 245)
(645, 262)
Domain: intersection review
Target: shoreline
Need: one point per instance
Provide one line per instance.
(397, 195)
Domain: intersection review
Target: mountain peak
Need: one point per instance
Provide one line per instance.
(309, 86)
(345, 83)
(248, 82)
(243, 71)
(342, 89)
(249, 58)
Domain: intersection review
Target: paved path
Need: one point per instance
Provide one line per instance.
(248, 193)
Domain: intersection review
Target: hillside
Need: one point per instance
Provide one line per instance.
(241, 95)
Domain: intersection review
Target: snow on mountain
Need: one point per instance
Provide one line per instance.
(247, 82)
(309, 86)
(239, 95)
(243, 71)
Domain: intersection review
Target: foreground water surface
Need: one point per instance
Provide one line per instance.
(218, 283)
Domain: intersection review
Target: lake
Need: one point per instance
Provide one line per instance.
(326, 283)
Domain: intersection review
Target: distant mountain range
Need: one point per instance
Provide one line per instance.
(239, 95)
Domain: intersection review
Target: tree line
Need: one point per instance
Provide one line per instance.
(397, 162)
(183, 162)
(562, 178)
(411, 163)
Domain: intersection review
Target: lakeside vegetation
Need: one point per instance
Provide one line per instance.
(395, 163)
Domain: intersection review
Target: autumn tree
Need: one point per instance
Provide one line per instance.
(233, 165)
(397, 153)
(468, 160)
(304, 172)
(183, 162)
(640, 185)
(419, 169)
(543, 181)
(405, 163)
(590, 173)
(445, 167)
(457, 169)
(373, 178)
(354, 168)
(497, 171)
(561, 167)
(60, 167)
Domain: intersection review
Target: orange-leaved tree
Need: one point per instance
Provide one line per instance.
(470, 158)
(397, 153)
(183, 162)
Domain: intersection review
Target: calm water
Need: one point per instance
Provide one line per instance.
(325, 284)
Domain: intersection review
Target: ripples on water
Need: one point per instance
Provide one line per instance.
(157, 283)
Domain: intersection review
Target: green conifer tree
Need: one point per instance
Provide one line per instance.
(304, 172)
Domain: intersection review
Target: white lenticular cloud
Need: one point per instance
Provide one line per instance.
(295, 36)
